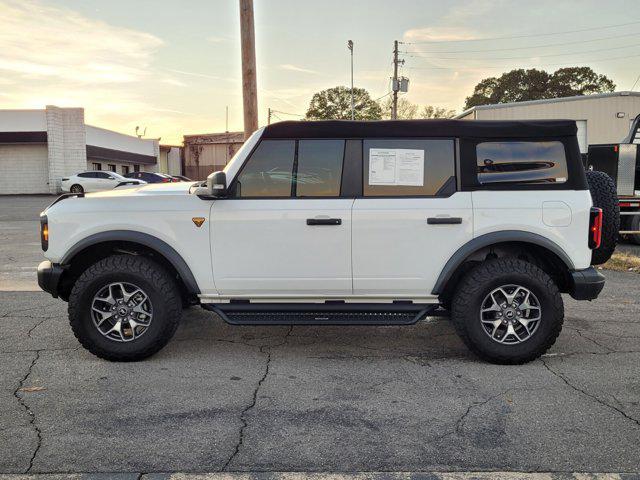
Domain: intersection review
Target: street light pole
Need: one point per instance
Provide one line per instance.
(350, 46)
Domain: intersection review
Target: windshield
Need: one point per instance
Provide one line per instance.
(117, 176)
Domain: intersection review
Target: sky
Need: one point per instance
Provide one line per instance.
(173, 67)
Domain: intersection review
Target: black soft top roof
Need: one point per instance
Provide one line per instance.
(421, 128)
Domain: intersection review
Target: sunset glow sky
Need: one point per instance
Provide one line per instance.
(173, 66)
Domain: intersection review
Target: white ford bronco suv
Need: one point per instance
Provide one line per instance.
(341, 222)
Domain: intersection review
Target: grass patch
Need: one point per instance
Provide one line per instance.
(623, 262)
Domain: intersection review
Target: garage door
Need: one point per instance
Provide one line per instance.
(23, 169)
(582, 136)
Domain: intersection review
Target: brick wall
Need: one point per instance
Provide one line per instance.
(24, 169)
(67, 149)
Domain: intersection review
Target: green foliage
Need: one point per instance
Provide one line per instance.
(522, 85)
(335, 104)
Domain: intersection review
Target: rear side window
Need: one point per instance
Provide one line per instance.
(269, 171)
(319, 169)
(521, 162)
(405, 168)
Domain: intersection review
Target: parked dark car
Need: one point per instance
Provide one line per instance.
(152, 177)
(182, 178)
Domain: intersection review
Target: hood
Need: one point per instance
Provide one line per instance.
(174, 188)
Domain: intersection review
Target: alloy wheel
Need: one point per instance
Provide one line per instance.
(121, 311)
(510, 314)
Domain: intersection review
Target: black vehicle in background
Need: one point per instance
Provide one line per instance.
(621, 161)
(152, 177)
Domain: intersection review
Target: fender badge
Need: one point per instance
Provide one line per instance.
(198, 221)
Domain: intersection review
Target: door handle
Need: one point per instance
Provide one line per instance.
(444, 220)
(324, 221)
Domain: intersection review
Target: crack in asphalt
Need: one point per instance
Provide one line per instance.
(460, 421)
(37, 325)
(579, 332)
(587, 394)
(32, 416)
(265, 349)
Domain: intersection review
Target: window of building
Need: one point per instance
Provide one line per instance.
(406, 168)
(96, 166)
(125, 169)
(136, 168)
(112, 167)
(269, 171)
(521, 162)
(319, 168)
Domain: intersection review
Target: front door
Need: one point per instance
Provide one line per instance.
(285, 231)
(410, 220)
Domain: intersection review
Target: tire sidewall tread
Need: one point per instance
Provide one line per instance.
(145, 273)
(474, 288)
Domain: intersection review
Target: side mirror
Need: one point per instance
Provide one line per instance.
(217, 184)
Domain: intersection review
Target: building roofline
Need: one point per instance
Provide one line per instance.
(548, 100)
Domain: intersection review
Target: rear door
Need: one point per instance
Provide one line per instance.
(286, 232)
(411, 218)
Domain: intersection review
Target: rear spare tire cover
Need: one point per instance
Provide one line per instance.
(605, 196)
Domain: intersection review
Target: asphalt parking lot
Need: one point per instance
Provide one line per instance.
(280, 399)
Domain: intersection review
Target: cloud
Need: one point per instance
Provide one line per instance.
(44, 41)
(294, 68)
(438, 34)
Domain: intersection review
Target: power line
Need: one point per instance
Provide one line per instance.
(521, 36)
(457, 67)
(528, 56)
(529, 47)
(385, 95)
(635, 83)
(286, 113)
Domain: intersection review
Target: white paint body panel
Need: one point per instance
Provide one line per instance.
(161, 210)
(395, 251)
(265, 247)
(496, 211)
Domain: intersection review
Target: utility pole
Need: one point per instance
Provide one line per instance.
(269, 116)
(395, 84)
(249, 86)
(350, 46)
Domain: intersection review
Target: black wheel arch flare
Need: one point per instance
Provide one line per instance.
(149, 241)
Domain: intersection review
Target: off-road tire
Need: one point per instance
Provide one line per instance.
(75, 188)
(479, 282)
(605, 196)
(163, 293)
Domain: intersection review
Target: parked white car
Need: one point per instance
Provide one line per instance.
(343, 223)
(95, 181)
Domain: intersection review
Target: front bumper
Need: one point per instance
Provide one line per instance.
(586, 284)
(49, 277)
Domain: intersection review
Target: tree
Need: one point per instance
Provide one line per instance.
(335, 104)
(521, 85)
(429, 111)
(408, 110)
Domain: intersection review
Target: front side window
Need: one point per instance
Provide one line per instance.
(404, 168)
(319, 168)
(521, 162)
(269, 171)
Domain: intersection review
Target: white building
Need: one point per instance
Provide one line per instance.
(39, 147)
(601, 118)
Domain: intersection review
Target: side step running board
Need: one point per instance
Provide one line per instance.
(323, 314)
